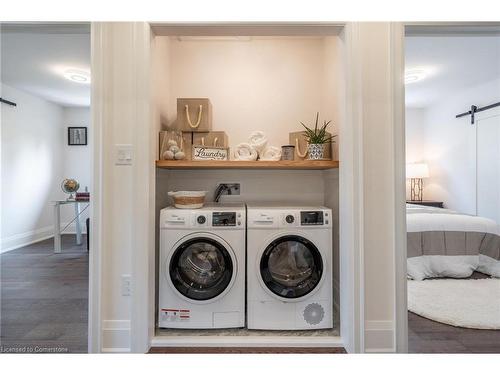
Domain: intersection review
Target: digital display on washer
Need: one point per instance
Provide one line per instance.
(224, 219)
(311, 217)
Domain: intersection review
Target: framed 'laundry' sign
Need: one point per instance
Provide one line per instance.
(210, 153)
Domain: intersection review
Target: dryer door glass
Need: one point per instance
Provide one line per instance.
(291, 266)
(201, 269)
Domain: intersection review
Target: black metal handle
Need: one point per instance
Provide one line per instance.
(8, 102)
(474, 109)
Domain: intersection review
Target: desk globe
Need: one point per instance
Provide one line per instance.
(70, 186)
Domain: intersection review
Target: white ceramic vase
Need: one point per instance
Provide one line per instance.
(316, 151)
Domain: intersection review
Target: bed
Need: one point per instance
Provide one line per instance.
(445, 243)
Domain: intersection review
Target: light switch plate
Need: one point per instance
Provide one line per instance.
(123, 154)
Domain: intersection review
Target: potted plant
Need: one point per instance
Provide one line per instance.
(317, 139)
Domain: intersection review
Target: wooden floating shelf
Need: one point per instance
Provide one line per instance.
(234, 164)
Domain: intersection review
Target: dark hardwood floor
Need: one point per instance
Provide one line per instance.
(44, 298)
(247, 350)
(429, 336)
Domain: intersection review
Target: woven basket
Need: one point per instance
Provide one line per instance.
(188, 199)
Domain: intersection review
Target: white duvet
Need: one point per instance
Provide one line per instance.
(424, 219)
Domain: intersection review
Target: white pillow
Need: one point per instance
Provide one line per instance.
(458, 266)
(489, 265)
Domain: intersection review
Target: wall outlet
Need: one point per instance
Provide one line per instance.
(126, 285)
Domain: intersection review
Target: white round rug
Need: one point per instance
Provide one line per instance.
(462, 303)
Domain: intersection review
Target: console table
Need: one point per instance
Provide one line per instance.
(76, 219)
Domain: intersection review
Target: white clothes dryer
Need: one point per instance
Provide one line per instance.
(289, 267)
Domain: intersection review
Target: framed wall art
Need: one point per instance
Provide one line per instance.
(77, 136)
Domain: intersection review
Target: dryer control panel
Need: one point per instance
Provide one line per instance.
(289, 217)
(311, 218)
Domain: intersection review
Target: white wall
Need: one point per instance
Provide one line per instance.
(333, 86)
(32, 166)
(414, 123)
(449, 146)
(228, 72)
(35, 159)
(414, 135)
(76, 159)
(256, 186)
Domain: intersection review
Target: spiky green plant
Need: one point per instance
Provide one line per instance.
(318, 135)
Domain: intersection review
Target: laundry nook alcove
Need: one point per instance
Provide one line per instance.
(256, 79)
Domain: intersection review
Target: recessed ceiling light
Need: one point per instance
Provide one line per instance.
(79, 76)
(414, 75)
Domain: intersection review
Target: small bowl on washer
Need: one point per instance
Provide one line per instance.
(188, 199)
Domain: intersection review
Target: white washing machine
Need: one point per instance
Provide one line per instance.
(202, 267)
(289, 268)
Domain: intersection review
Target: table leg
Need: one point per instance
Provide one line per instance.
(78, 226)
(57, 228)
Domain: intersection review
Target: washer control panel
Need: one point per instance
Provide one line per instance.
(224, 219)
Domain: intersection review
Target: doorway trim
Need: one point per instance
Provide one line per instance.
(399, 127)
(96, 128)
(352, 305)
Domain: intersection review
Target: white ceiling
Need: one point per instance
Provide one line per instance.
(452, 63)
(34, 60)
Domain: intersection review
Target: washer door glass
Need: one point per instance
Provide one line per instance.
(201, 269)
(291, 266)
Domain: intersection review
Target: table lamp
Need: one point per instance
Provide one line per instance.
(416, 172)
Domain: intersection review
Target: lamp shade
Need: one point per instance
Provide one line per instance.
(417, 170)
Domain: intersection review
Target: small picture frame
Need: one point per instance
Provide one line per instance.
(77, 136)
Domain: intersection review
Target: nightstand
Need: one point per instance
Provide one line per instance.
(427, 203)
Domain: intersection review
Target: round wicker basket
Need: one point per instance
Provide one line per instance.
(188, 199)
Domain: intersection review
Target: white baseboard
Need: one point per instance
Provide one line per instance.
(27, 238)
(248, 341)
(379, 336)
(115, 350)
(115, 336)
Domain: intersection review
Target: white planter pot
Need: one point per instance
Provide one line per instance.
(316, 151)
